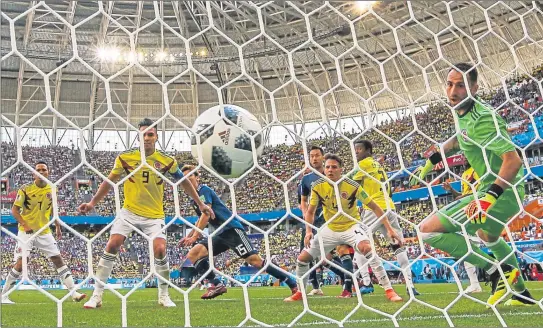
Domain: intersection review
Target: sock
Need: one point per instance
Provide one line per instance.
(301, 269)
(201, 266)
(347, 264)
(65, 275)
(377, 267)
(313, 277)
(527, 297)
(365, 273)
(11, 279)
(105, 266)
(319, 278)
(456, 246)
(381, 274)
(471, 270)
(162, 267)
(335, 270)
(403, 260)
(280, 275)
(501, 250)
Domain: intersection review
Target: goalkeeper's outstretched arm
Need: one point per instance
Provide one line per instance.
(449, 147)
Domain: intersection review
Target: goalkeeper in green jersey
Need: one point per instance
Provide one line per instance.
(488, 148)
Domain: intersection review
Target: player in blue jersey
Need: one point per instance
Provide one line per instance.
(232, 237)
(316, 160)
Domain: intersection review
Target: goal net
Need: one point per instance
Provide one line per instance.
(78, 77)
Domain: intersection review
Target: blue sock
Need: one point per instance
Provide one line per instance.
(347, 264)
(313, 278)
(201, 266)
(319, 278)
(282, 277)
(338, 272)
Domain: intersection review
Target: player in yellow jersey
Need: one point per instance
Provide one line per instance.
(343, 229)
(469, 178)
(316, 160)
(143, 209)
(373, 178)
(32, 210)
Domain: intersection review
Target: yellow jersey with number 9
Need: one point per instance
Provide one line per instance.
(36, 204)
(370, 175)
(144, 191)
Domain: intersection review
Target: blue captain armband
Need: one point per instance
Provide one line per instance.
(178, 174)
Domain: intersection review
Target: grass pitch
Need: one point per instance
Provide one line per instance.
(266, 305)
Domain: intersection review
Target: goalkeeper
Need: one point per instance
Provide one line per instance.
(480, 138)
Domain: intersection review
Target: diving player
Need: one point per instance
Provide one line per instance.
(232, 236)
(483, 138)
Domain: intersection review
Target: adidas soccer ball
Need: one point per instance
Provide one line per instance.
(224, 138)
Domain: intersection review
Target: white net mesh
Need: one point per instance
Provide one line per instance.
(78, 76)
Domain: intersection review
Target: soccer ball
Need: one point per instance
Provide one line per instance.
(225, 148)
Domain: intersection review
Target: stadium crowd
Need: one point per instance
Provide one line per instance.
(284, 247)
(285, 161)
(257, 192)
(134, 256)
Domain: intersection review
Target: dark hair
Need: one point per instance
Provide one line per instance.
(41, 162)
(334, 157)
(146, 122)
(366, 144)
(188, 167)
(317, 148)
(467, 68)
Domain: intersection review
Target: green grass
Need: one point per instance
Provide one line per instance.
(266, 305)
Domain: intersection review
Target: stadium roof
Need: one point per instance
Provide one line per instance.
(398, 40)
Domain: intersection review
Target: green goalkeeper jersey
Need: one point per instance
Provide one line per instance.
(479, 125)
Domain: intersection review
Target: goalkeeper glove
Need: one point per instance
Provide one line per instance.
(421, 173)
(487, 201)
